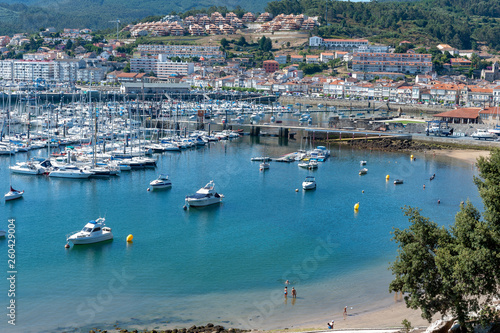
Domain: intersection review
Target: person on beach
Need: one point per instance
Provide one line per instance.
(330, 324)
(345, 312)
(294, 293)
(286, 292)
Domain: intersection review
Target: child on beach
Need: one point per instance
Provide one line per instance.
(330, 324)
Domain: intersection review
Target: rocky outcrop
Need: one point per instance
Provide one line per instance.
(208, 328)
(389, 144)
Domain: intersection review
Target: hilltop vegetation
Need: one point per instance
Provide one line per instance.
(460, 23)
(464, 24)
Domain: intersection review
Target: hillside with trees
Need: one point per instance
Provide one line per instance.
(454, 270)
(463, 24)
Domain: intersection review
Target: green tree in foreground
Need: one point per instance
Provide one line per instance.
(454, 270)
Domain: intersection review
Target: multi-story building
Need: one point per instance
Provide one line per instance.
(91, 74)
(166, 68)
(65, 70)
(280, 58)
(182, 51)
(144, 64)
(338, 44)
(408, 63)
(7, 69)
(270, 66)
(28, 70)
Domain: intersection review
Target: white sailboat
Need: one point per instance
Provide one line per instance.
(12, 194)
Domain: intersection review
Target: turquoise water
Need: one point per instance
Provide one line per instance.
(227, 263)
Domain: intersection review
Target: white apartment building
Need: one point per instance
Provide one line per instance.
(146, 64)
(65, 70)
(7, 69)
(338, 44)
(406, 63)
(182, 51)
(28, 70)
(165, 69)
(90, 74)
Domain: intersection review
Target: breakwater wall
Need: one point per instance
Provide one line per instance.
(414, 109)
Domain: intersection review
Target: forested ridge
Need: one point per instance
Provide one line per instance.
(464, 24)
(460, 23)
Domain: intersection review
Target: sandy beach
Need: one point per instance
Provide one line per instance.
(468, 155)
(389, 317)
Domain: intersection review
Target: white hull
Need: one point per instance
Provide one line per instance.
(72, 175)
(160, 186)
(91, 239)
(13, 195)
(26, 171)
(203, 202)
(308, 186)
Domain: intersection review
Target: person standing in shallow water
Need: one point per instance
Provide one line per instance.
(286, 292)
(345, 312)
(294, 293)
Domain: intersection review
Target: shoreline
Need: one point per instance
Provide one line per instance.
(385, 318)
(466, 155)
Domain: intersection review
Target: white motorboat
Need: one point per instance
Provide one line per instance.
(483, 134)
(495, 130)
(161, 182)
(363, 171)
(70, 171)
(204, 196)
(362, 163)
(264, 166)
(398, 182)
(28, 168)
(260, 159)
(309, 183)
(312, 164)
(13, 194)
(93, 232)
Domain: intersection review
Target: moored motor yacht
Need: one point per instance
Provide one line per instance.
(70, 171)
(204, 196)
(309, 183)
(363, 171)
(312, 164)
(161, 182)
(30, 167)
(93, 232)
(483, 134)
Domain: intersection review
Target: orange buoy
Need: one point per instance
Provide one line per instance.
(66, 246)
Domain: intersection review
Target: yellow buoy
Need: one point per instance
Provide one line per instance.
(130, 237)
(387, 177)
(296, 190)
(411, 157)
(356, 207)
(363, 191)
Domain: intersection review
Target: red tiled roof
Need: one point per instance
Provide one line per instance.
(468, 113)
(127, 75)
(491, 110)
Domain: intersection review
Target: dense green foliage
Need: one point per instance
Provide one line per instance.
(461, 23)
(454, 270)
(420, 22)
